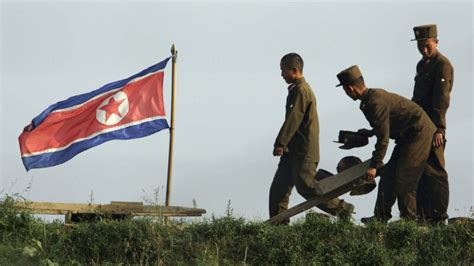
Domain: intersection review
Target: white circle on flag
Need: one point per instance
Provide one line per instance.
(113, 109)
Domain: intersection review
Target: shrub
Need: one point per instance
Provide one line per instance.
(228, 240)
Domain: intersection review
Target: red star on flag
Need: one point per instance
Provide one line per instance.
(112, 108)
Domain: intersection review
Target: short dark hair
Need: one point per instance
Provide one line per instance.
(293, 60)
(358, 82)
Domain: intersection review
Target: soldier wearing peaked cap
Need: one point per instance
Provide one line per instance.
(433, 80)
(298, 145)
(393, 116)
(433, 84)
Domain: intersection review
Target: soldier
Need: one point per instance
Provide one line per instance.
(433, 85)
(393, 116)
(298, 145)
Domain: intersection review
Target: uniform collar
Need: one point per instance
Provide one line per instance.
(291, 86)
(431, 59)
(295, 83)
(365, 97)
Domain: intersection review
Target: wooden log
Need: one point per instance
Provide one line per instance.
(331, 187)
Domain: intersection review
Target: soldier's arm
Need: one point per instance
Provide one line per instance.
(295, 114)
(441, 95)
(378, 117)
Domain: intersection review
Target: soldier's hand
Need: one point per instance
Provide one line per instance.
(438, 140)
(370, 174)
(278, 151)
(366, 132)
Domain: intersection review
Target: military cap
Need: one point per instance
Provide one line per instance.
(351, 140)
(348, 75)
(347, 162)
(363, 186)
(424, 32)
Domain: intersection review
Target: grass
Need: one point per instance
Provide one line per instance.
(27, 240)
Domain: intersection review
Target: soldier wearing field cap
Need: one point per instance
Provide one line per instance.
(433, 85)
(393, 116)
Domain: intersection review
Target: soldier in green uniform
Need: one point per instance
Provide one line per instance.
(433, 84)
(298, 145)
(393, 116)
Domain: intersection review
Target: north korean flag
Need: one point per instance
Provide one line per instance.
(125, 109)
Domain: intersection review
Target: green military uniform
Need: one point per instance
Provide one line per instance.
(433, 84)
(393, 116)
(299, 136)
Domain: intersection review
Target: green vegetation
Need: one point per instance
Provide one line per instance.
(27, 240)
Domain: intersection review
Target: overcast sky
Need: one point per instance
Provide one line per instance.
(230, 96)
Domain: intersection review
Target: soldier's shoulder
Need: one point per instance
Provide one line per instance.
(303, 86)
(303, 83)
(372, 95)
(376, 92)
(420, 63)
(378, 96)
(443, 60)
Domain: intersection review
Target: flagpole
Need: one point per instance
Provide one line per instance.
(174, 53)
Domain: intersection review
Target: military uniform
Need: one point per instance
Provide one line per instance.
(299, 136)
(393, 116)
(433, 84)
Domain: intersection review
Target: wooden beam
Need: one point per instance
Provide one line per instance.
(128, 208)
(310, 204)
(327, 189)
(345, 177)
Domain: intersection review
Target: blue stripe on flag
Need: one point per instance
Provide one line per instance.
(78, 99)
(59, 157)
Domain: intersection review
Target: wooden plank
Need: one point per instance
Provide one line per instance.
(56, 208)
(327, 189)
(311, 203)
(127, 203)
(169, 211)
(133, 208)
(345, 177)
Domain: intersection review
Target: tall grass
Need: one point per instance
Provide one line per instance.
(228, 240)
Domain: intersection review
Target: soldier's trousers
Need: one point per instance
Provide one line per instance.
(433, 189)
(294, 172)
(432, 196)
(400, 176)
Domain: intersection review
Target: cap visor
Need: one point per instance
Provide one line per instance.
(345, 147)
(364, 188)
(339, 85)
